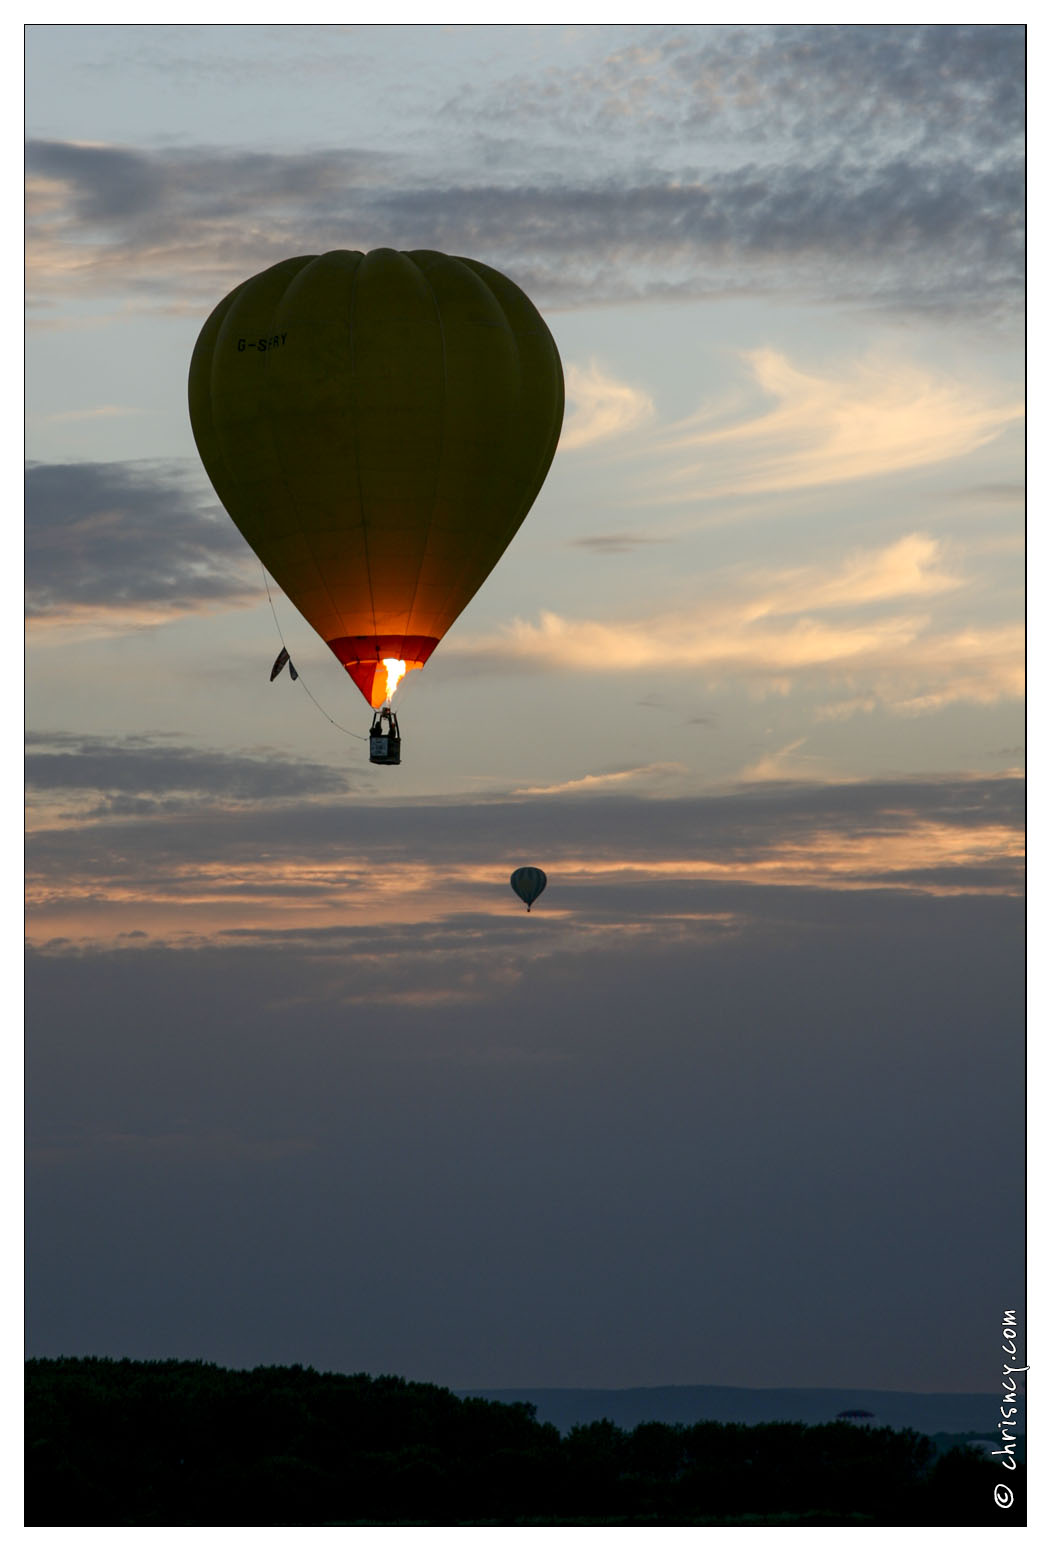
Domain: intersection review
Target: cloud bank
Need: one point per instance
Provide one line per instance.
(881, 165)
(140, 775)
(115, 544)
(146, 836)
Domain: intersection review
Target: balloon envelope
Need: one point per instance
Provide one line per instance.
(377, 425)
(528, 883)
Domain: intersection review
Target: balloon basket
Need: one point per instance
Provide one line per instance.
(384, 739)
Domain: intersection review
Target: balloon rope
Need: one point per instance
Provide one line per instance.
(360, 736)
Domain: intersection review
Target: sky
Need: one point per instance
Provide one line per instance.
(741, 1100)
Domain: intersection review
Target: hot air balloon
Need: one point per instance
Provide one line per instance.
(528, 883)
(377, 425)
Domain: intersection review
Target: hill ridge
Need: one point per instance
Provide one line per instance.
(925, 1411)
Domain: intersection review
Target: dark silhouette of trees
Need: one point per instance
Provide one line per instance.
(119, 1443)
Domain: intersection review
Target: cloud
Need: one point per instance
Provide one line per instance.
(783, 764)
(864, 420)
(675, 639)
(140, 775)
(600, 407)
(270, 852)
(768, 628)
(615, 543)
(911, 567)
(101, 412)
(593, 783)
(836, 178)
(916, 88)
(112, 545)
(817, 231)
(149, 223)
(768, 144)
(1005, 492)
(980, 666)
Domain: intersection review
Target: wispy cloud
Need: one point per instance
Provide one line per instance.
(674, 639)
(600, 407)
(615, 779)
(784, 764)
(980, 666)
(619, 543)
(915, 89)
(100, 412)
(775, 630)
(859, 421)
(912, 567)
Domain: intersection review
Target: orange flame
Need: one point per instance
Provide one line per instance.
(395, 673)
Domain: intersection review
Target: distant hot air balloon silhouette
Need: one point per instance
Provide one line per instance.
(377, 425)
(528, 883)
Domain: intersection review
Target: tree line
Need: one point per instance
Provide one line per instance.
(168, 1443)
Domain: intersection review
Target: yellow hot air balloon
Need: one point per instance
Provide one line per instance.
(377, 425)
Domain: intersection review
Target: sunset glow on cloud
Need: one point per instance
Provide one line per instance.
(112, 880)
(593, 783)
(778, 627)
(203, 901)
(598, 407)
(866, 420)
(909, 568)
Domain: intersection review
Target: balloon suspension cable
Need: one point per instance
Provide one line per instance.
(360, 737)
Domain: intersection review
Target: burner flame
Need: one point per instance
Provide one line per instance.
(395, 673)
